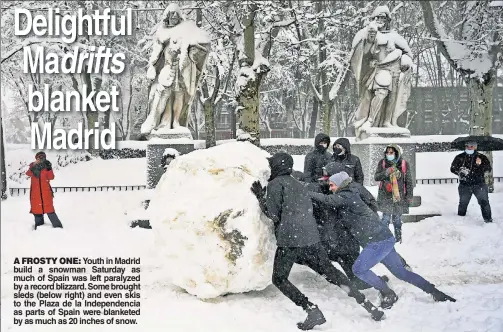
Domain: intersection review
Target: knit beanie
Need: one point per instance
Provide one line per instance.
(339, 178)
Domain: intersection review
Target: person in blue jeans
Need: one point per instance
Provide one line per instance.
(376, 240)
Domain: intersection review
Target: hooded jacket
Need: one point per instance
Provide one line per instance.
(317, 159)
(405, 184)
(355, 214)
(288, 205)
(476, 172)
(41, 195)
(350, 162)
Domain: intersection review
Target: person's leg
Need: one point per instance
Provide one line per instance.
(317, 259)
(53, 217)
(397, 224)
(386, 218)
(39, 220)
(394, 263)
(481, 192)
(371, 255)
(283, 263)
(465, 195)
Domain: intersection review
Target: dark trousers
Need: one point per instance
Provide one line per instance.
(53, 217)
(316, 258)
(481, 192)
(345, 258)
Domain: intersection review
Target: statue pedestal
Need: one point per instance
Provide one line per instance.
(155, 151)
(371, 151)
(177, 133)
(391, 132)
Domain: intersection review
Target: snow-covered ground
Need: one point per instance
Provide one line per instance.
(462, 256)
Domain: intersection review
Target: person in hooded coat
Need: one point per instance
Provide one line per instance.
(317, 159)
(375, 238)
(286, 202)
(470, 166)
(396, 189)
(41, 195)
(342, 156)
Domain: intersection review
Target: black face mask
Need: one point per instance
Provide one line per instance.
(321, 148)
(337, 151)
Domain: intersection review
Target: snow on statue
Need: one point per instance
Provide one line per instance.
(179, 53)
(382, 63)
(209, 226)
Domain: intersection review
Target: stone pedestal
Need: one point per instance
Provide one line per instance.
(393, 132)
(178, 133)
(155, 151)
(371, 151)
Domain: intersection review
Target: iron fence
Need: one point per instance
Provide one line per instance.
(24, 191)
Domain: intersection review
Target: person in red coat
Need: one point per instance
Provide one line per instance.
(41, 196)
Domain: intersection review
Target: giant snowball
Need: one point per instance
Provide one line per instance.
(209, 226)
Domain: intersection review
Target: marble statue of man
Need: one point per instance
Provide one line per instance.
(381, 61)
(176, 64)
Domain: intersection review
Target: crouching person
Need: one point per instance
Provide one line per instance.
(376, 239)
(41, 196)
(286, 202)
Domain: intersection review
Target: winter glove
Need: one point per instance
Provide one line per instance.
(463, 171)
(325, 188)
(47, 165)
(390, 170)
(258, 190)
(36, 169)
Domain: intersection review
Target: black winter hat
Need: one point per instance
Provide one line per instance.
(40, 155)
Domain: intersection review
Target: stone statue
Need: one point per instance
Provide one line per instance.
(381, 61)
(178, 59)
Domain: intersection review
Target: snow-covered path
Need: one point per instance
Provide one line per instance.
(462, 256)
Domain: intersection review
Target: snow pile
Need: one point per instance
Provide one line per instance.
(209, 224)
(170, 152)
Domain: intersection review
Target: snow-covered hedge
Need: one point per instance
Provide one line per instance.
(18, 158)
(124, 153)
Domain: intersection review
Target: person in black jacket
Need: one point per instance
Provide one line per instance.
(376, 239)
(286, 202)
(317, 159)
(342, 156)
(470, 166)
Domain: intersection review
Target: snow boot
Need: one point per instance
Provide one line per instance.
(398, 233)
(388, 298)
(488, 220)
(314, 317)
(439, 296)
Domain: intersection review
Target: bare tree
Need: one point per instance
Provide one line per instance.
(476, 54)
